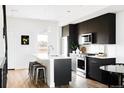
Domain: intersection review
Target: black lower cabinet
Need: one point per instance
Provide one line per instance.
(3, 74)
(93, 70)
(62, 71)
(109, 78)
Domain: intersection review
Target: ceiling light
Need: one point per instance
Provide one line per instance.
(13, 10)
(68, 11)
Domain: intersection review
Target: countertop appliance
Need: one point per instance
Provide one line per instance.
(86, 38)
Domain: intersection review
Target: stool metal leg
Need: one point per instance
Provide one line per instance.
(34, 71)
(37, 73)
(45, 76)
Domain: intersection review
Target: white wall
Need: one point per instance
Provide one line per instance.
(120, 36)
(19, 55)
(110, 50)
(54, 37)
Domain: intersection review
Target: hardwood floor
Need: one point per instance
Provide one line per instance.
(20, 79)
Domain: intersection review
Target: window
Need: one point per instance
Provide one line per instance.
(42, 43)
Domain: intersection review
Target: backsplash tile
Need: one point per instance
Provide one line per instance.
(107, 49)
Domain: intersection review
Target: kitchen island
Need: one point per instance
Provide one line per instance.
(58, 69)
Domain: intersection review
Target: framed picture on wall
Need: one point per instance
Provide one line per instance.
(25, 39)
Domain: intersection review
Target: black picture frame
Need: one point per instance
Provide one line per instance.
(24, 39)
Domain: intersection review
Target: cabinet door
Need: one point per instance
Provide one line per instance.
(106, 61)
(73, 37)
(62, 71)
(94, 71)
(82, 28)
(99, 26)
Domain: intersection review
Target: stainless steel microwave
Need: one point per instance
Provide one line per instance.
(86, 38)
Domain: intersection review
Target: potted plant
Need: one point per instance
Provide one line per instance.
(73, 46)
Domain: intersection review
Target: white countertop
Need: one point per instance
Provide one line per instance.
(101, 57)
(46, 57)
(95, 56)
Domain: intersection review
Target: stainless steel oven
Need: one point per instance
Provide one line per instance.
(81, 65)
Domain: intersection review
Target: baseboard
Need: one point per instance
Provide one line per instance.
(21, 68)
(11, 69)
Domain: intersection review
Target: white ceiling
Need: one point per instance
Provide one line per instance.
(64, 14)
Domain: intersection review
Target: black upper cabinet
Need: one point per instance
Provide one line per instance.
(83, 28)
(71, 31)
(103, 28)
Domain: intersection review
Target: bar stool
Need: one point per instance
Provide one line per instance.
(39, 72)
(31, 64)
(34, 70)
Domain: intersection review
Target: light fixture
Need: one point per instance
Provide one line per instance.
(68, 11)
(14, 10)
